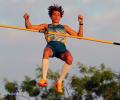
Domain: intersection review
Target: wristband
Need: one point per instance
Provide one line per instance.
(80, 24)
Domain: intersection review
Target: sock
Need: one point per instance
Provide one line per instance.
(44, 68)
(64, 72)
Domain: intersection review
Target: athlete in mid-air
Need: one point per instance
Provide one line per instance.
(56, 45)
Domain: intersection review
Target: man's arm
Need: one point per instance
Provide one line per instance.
(72, 32)
(34, 27)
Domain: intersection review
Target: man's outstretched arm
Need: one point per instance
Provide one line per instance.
(72, 32)
(34, 27)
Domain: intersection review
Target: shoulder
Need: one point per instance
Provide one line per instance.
(66, 27)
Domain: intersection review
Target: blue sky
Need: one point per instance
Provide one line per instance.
(21, 51)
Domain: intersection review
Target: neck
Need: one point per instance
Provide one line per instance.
(55, 23)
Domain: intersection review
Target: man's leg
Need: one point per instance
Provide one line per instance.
(47, 53)
(67, 57)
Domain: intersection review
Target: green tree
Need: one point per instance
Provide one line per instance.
(101, 81)
(12, 89)
(29, 86)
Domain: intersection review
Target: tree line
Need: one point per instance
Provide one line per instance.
(90, 83)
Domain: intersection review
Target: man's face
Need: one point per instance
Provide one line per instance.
(56, 16)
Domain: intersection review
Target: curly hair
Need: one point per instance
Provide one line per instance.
(55, 8)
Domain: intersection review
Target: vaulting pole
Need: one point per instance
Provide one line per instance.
(65, 35)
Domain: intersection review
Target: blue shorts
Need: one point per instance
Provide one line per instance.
(57, 47)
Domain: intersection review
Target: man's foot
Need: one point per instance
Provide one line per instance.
(59, 87)
(42, 83)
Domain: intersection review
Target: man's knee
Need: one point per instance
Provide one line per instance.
(47, 53)
(69, 60)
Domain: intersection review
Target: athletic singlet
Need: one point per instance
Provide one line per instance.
(55, 28)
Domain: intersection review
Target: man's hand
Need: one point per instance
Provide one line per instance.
(80, 19)
(26, 16)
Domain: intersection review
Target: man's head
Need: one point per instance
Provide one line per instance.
(56, 13)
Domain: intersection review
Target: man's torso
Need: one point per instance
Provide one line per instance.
(55, 28)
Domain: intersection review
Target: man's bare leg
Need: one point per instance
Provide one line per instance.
(47, 53)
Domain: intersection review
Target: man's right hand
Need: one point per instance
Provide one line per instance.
(26, 16)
